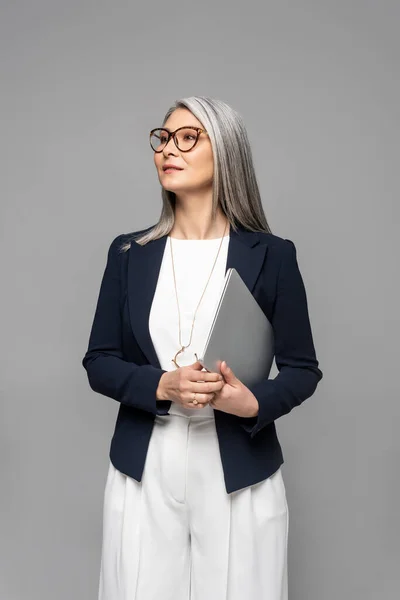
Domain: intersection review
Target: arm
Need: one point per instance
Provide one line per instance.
(108, 373)
(294, 349)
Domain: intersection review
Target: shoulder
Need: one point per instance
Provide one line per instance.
(272, 239)
(279, 247)
(122, 242)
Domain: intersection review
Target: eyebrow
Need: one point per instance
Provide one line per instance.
(188, 126)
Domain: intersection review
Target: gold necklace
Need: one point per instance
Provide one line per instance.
(195, 312)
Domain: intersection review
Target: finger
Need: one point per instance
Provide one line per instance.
(204, 376)
(201, 398)
(206, 387)
(197, 406)
(197, 366)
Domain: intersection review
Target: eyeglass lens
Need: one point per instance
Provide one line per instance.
(185, 139)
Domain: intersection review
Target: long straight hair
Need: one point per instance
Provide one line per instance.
(235, 186)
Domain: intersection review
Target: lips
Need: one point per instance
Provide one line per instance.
(171, 168)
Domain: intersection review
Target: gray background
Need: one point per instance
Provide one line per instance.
(318, 86)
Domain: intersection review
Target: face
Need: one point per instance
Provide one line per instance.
(197, 164)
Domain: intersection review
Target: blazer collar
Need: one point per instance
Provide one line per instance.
(245, 253)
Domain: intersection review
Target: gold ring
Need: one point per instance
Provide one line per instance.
(194, 401)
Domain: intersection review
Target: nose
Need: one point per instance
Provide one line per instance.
(170, 146)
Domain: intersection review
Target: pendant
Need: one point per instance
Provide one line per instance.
(179, 352)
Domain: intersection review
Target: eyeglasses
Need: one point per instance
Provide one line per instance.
(185, 138)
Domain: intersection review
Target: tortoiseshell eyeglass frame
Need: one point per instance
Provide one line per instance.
(171, 134)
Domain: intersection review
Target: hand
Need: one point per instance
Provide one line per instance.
(234, 398)
(179, 386)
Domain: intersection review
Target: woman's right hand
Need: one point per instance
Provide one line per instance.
(181, 384)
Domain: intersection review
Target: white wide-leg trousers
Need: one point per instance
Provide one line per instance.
(178, 535)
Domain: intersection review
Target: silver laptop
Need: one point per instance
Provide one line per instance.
(240, 334)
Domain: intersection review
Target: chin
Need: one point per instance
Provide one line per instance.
(173, 188)
(169, 188)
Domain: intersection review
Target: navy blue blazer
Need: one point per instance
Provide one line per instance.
(121, 361)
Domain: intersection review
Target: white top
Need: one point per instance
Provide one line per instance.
(193, 260)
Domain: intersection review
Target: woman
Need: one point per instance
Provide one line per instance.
(195, 505)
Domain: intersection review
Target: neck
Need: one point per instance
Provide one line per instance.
(194, 221)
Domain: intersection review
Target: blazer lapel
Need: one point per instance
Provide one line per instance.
(245, 254)
(144, 264)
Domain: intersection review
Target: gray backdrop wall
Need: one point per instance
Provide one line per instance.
(318, 86)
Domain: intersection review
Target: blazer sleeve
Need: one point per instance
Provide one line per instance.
(107, 370)
(294, 349)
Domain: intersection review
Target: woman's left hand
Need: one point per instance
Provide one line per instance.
(234, 397)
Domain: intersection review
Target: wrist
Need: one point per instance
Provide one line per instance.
(160, 389)
(253, 407)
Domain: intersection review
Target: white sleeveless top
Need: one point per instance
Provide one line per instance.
(193, 260)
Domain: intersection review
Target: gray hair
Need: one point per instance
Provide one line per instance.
(235, 185)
